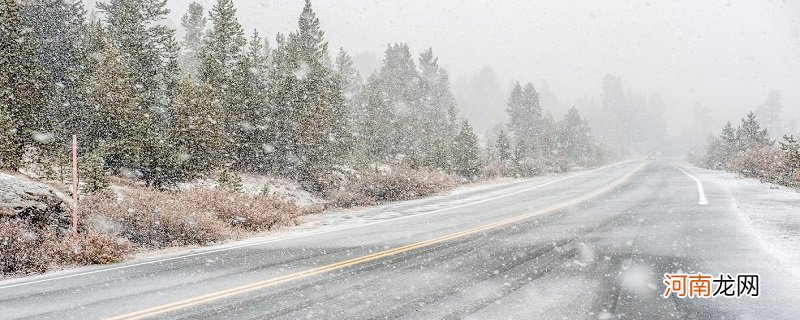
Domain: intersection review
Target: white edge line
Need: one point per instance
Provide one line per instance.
(127, 266)
(702, 199)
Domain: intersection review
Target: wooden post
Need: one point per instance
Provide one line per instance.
(74, 186)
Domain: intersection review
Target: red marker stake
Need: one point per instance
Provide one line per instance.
(74, 186)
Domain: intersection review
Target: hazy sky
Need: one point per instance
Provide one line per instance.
(723, 54)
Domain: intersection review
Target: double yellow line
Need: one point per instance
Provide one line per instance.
(363, 259)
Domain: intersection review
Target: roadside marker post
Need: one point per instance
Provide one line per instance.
(74, 186)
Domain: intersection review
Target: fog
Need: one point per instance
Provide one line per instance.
(724, 55)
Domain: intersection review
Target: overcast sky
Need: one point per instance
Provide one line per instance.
(723, 54)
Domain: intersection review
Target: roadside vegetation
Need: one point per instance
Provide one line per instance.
(749, 151)
(217, 105)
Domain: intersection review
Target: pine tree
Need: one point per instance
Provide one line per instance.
(525, 115)
(248, 110)
(574, 137)
(348, 75)
(222, 48)
(57, 29)
(21, 85)
(194, 25)
(503, 146)
(121, 123)
(374, 123)
(548, 136)
(749, 135)
(467, 162)
(432, 114)
(221, 62)
(196, 136)
(93, 173)
(728, 146)
(384, 128)
(148, 49)
(307, 101)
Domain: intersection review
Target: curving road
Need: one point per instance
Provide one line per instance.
(592, 244)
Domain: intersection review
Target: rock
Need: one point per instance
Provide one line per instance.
(37, 203)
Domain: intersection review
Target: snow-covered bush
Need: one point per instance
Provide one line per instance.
(762, 163)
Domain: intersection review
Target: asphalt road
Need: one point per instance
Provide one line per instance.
(593, 244)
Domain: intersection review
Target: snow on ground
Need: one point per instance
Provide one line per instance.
(254, 184)
(772, 210)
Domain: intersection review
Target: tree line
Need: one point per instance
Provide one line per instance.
(748, 150)
(148, 106)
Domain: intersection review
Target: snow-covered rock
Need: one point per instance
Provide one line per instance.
(23, 198)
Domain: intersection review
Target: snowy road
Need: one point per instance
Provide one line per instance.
(593, 244)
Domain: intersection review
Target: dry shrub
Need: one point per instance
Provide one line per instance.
(153, 218)
(23, 248)
(27, 249)
(758, 162)
(348, 198)
(530, 167)
(557, 165)
(496, 169)
(250, 212)
(92, 249)
(397, 184)
(312, 209)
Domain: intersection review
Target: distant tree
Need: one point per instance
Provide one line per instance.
(749, 135)
(525, 116)
(348, 75)
(194, 25)
(466, 159)
(728, 145)
(574, 136)
(770, 112)
(548, 136)
(432, 115)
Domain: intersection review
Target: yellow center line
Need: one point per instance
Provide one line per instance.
(149, 312)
